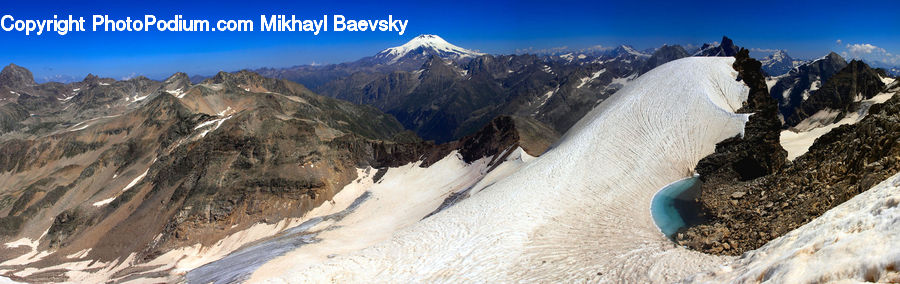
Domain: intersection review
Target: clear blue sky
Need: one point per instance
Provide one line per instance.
(805, 28)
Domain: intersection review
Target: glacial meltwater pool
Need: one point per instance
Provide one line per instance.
(674, 206)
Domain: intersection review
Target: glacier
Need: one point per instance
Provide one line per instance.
(579, 212)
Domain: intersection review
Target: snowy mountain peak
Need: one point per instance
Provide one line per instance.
(779, 54)
(626, 49)
(426, 45)
(778, 63)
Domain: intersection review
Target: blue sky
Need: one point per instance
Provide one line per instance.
(806, 29)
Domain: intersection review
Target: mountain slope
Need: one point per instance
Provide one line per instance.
(550, 220)
(178, 168)
(444, 92)
(794, 87)
(841, 93)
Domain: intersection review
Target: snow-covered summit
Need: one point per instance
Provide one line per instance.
(779, 63)
(630, 50)
(426, 45)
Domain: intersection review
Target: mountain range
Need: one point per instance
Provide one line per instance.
(458, 155)
(444, 92)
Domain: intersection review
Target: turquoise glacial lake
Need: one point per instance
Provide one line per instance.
(675, 207)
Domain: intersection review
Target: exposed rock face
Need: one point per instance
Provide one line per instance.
(663, 55)
(796, 86)
(745, 211)
(725, 48)
(444, 96)
(758, 152)
(445, 100)
(10, 116)
(14, 76)
(855, 82)
(503, 134)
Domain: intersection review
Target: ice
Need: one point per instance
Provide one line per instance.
(178, 93)
(137, 99)
(547, 69)
(631, 51)
(592, 77)
(546, 97)
(30, 257)
(770, 81)
(4, 280)
(225, 111)
(815, 85)
(103, 202)
(85, 125)
(80, 254)
(580, 212)
(218, 122)
(133, 182)
(136, 180)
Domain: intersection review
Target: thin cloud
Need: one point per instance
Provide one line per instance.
(871, 53)
(130, 76)
(766, 50)
(532, 50)
(864, 48)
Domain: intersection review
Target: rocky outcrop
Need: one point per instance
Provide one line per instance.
(15, 77)
(756, 153)
(841, 92)
(746, 209)
(505, 133)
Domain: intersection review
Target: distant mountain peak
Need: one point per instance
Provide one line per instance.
(16, 76)
(834, 57)
(630, 50)
(779, 54)
(428, 45)
(726, 48)
(778, 63)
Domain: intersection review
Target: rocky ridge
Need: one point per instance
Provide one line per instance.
(749, 204)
